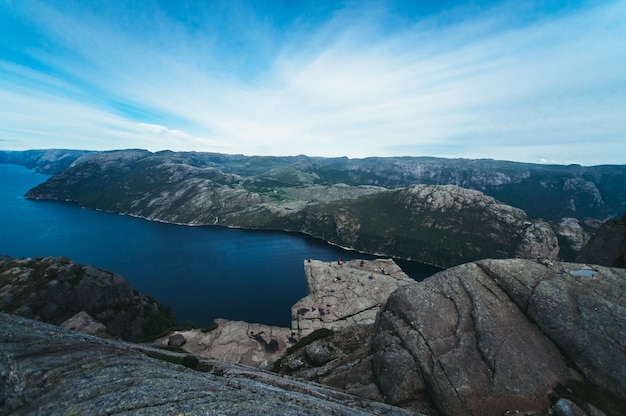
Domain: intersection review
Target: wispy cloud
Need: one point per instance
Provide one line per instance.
(505, 82)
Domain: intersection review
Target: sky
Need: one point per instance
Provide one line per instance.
(536, 81)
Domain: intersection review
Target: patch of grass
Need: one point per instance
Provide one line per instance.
(186, 360)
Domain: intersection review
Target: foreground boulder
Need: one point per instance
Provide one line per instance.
(55, 289)
(496, 335)
(46, 369)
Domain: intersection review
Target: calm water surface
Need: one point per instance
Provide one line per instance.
(203, 273)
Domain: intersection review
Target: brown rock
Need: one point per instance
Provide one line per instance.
(84, 323)
(255, 345)
(459, 339)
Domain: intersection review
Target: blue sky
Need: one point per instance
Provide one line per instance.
(533, 81)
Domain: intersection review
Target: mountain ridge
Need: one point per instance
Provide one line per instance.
(337, 199)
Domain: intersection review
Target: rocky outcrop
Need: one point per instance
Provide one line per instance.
(343, 294)
(608, 245)
(572, 237)
(496, 335)
(84, 323)
(341, 359)
(54, 289)
(538, 240)
(255, 345)
(443, 225)
(46, 369)
(48, 161)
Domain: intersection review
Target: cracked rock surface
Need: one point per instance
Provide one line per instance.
(494, 335)
(343, 294)
(48, 370)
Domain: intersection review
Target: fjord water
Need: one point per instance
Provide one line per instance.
(202, 273)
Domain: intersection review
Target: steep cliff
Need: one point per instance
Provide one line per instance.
(49, 161)
(608, 245)
(439, 224)
(54, 289)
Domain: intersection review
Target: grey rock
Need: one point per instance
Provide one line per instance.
(84, 323)
(608, 246)
(572, 237)
(176, 340)
(318, 353)
(580, 308)
(55, 289)
(538, 241)
(566, 407)
(295, 364)
(46, 369)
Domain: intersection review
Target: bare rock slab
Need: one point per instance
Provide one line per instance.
(342, 294)
(254, 345)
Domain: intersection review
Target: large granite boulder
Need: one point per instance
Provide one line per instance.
(45, 370)
(495, 335)
(343, 294)
(55, 289)
(581, 308)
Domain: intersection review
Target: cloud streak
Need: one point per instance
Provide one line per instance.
(506, 82)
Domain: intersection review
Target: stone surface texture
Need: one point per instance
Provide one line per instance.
(45, 370)
(343, 294)
(84, 323)
(255, 345)
(495, 335)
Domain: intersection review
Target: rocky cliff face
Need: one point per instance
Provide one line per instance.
(494, 335)
(441, 224)
(608, 245)
(49, 161)
(342, 294)
(356, 203)
(54, 290)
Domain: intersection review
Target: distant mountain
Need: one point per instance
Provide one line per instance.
(45, 161)
(369, 204)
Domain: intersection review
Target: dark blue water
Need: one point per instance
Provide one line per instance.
(203, 273)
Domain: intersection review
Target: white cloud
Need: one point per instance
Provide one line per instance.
(493, 86)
